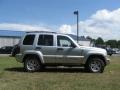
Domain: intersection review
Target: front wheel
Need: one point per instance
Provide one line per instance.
(95, 65)
(32, 64)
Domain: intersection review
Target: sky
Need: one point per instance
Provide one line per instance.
(97, 18)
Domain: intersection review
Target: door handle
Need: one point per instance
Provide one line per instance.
(60, 49)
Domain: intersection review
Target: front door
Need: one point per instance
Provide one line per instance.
(67, 52)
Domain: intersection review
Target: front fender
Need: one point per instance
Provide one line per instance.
(87, 55)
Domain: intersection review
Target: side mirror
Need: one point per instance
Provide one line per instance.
(73, 45)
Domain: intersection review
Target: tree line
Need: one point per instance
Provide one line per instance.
(110, 43)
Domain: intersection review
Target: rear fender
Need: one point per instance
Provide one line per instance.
(33, 52)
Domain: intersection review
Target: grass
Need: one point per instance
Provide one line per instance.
(13, 77)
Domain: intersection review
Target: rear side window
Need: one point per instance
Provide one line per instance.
(46, 40)
(29, 39)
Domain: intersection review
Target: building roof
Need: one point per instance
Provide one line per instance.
(10, 33)
(81, 38)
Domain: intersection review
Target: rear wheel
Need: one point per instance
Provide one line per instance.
(32, 64)
(95, 65)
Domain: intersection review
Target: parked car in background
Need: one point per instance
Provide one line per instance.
(6, 50)
(116, 51)
(109, 51)
(15, 50)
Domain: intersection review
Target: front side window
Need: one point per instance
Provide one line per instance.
(63, 41)
(45, 40)
(29, 39)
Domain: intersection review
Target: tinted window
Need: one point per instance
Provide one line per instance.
(29, 39)
(63, 41)
(46, 40)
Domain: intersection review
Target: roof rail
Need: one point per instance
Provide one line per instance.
(40, 32)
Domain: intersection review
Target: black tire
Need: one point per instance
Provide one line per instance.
(32, 64)
(95, 65)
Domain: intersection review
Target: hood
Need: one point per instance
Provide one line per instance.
(93, 50)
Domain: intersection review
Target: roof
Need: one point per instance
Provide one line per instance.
(81, 38)
(40, 32)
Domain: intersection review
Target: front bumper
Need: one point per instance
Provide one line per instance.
(107, 61)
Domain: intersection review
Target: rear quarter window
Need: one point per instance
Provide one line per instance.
(28, 40)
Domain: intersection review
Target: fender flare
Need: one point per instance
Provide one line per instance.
(33, 52)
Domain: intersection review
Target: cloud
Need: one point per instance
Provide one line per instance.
(103, 23)
(22, 27)
(66, 29)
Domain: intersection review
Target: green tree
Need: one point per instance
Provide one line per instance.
(118, 44)
(99, 41)
(112, 43)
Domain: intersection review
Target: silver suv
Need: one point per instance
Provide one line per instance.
(39, 49)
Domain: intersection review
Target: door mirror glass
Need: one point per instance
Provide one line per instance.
(73, 45)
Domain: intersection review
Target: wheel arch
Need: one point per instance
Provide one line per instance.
(37, 55)
(96, 56)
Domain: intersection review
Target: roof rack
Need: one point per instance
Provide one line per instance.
(40, 32)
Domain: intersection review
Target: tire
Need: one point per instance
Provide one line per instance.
(95, 65)
(32, 64)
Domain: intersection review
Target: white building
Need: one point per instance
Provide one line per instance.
(9, 37)
(8, 41)
(82, 40)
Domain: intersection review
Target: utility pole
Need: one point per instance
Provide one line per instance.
(77, 13)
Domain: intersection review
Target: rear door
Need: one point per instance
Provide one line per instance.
(46, 46)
